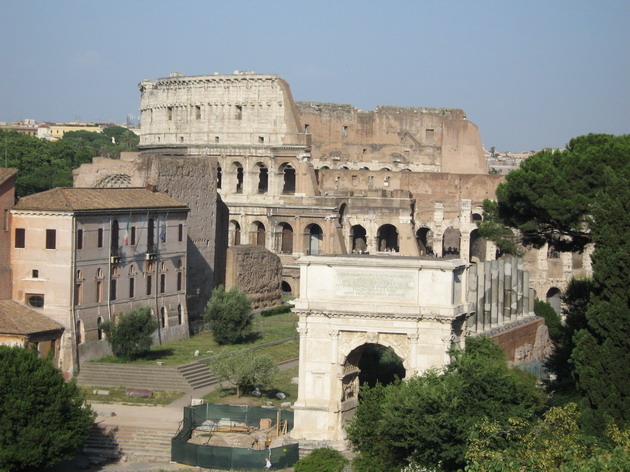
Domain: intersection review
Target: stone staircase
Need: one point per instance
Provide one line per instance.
(137, 444)
(149, 377)
(183, 378)
(197, 374)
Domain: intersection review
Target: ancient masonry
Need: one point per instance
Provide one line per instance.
(306, 178)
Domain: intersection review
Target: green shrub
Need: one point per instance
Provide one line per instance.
(130, 336)
(43, 419)
(276, 310)
(323, 459)
(229, 315)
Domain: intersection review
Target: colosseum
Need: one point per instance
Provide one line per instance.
(315, 178)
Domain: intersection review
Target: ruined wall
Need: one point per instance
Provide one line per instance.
(255, 271)
(525, 342)
(190, 179)
(425, 188)
(396, 138)
(236, 109)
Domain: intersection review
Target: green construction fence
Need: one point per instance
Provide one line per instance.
(217, 457)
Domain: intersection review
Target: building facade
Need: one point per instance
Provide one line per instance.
(84, 256)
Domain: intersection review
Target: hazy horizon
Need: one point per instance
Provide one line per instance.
(529, 74)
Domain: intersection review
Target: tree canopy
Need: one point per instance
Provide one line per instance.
(42, 418)
(568, 199)
(246, 368)
(131, 335)
(427, 420)
(549, 198)
(45, 164)
(229, 315)
(554, 443)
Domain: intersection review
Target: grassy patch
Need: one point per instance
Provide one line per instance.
(117, 395)
(227, 396)
(269, 328)
(276, 310)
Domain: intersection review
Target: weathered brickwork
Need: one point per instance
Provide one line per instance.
(255, 271)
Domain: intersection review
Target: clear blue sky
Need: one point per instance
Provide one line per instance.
(530, 74)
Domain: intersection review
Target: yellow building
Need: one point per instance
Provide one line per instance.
(57, 130)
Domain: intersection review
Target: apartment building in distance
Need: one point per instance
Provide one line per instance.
(81, 256)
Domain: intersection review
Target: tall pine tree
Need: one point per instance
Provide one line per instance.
(602, 352)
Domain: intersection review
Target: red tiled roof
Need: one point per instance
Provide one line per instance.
(16, 318)
(6, 173)
(77, 199)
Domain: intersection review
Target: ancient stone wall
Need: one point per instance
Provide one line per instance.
(395, 138)
(255, 271)
(525, 342)
(236, 109)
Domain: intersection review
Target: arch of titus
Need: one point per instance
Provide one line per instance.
(420, 307)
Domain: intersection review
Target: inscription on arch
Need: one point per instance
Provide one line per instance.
(381, 284)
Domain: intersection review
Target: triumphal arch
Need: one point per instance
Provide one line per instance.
(416, 306)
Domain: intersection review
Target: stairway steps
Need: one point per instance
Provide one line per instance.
(141, 443)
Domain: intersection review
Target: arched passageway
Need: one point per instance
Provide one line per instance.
(367, 364)
(451, 242)
(554, 298)
(424, 238)
(478, 247)
(286, 289)
(286, 238)
(387, 237)
(358, 236)
(315, 239)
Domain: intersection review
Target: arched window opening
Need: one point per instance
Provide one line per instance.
(238, 172)
(475, 217)
(424, 238)
(553, 298)
(219, 177)
(286, 243)
(478, 247)
(451, 242)
(315, 239)
(179, 314)
(263, 178)
(358, 236)
(259, 234)
(387, 238)
(235, 233)
(288, 175)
